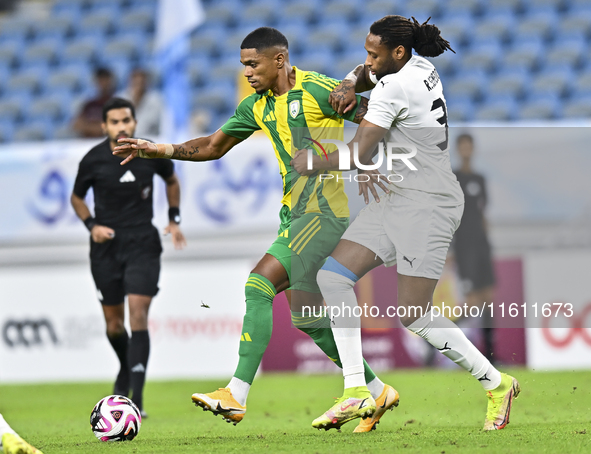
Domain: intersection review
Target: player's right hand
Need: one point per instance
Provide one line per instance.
(131, 148)
(101, 234)
(342, 99)
(375, 177)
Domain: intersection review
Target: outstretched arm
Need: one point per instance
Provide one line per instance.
(207, 148)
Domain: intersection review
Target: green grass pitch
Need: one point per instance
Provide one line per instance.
(439, 412)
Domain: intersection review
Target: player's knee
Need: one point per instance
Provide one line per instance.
(115, 327)
(334, 277)
(258, 288)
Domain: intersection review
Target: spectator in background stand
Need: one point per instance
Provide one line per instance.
(471, 246)
(90, 116)
(148, 103)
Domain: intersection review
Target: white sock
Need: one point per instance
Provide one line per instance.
(239, 390)
(346, 328)
(5, 428)
(376, 386)
(445, 336)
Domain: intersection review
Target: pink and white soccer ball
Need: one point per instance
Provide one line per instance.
(115, 418)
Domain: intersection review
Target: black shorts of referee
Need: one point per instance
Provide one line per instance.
(127, 264)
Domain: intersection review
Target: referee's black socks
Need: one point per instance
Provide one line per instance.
(120, 344)
(139, 351)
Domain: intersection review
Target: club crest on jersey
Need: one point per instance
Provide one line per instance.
(294, 108)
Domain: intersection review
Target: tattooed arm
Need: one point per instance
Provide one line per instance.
(342, 99)
(201, 149)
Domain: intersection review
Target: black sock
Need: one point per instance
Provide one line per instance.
(139, 351)
(120, 344)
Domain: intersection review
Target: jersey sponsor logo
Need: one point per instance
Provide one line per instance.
(294, 108)
(383, 83)
(28, 333)
(128, 177)
(444, 348)
(270, 117)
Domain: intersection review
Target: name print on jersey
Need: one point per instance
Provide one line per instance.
(432, 80)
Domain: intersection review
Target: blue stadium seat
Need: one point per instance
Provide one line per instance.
(503, 6)
(25, 80)
(470, 84)
(220, 97)
(542, 107)
(525, 53)
(198, 68)
(223, 12)
(538, 24)
(320, 62)
(578, 107)
(501, 108)
(581, 87)
(307, 11)
(81, 50)
(71, 77)
(348, 10)
(566, 51)
(33, 131)
(258, 14)
(327, 38)
(99, 22)
(576, 22)
(484, 56)
(295, 32)
(18, 28)
(225, 70)
(57, 28)
(375, 9)
(454, 7)
(554, 81)
(6, 129)
(457, 29)
(349, 59)
(11, 49)
(68, 10)
(209, 39)
(136, 21)
(459, 109)
(510, 81)
(111, 7)
(13, 105)
(46, 108)
(542, 5)
(128, 46)
(44, 51)
(494, 27)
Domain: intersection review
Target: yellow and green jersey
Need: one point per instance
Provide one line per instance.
(285, 120)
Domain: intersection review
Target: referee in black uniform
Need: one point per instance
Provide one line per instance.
(125, 247)
(471, 246)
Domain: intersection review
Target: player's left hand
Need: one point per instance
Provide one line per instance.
(342, 99)
(300, 163)
(375, 177)
(178, 239)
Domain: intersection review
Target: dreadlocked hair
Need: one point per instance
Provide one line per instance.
(424, 38)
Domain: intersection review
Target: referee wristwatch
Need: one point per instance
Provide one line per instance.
(174, 215)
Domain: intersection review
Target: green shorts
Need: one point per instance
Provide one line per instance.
(304, 243)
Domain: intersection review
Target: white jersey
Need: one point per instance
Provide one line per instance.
(410, 104)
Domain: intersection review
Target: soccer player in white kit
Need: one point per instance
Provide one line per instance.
(412, 226)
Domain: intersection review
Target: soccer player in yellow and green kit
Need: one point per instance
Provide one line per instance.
(313, 217)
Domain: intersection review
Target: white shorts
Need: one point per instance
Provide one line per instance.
(411, 234)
